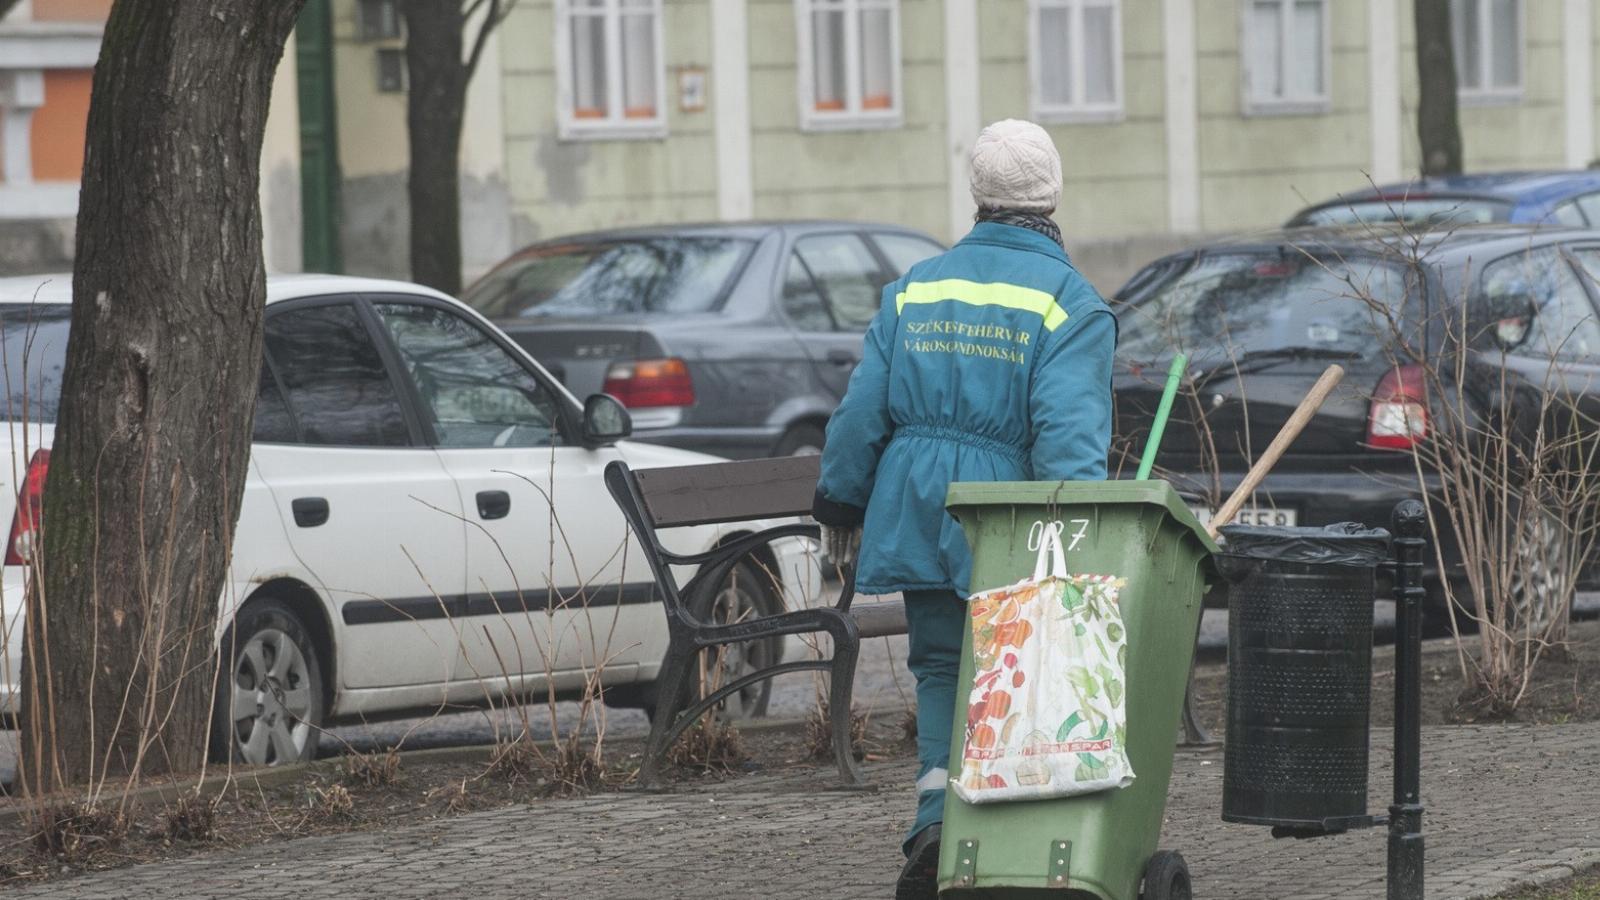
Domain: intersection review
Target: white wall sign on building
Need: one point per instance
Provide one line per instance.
(691, 89)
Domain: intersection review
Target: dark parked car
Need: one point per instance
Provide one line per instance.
(1534, 198)
(1261, 320)
(732, 339)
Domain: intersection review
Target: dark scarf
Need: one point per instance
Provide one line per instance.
(1030, 220)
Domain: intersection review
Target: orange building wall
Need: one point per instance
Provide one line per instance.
(71, 10)
(58, 125)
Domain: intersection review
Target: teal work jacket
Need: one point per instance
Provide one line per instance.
(991, 362)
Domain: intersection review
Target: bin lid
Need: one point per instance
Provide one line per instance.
(1044, 493)
(1343, 544)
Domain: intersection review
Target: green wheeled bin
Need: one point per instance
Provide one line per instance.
(1099, 845)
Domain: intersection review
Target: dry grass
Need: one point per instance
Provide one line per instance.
(454, 796)
(373, 769)
(908, 728)
(819, 733)
(72, 832)
(709, 745)
(193, 819)
(514, 760)
(332, 802)
(575, 769)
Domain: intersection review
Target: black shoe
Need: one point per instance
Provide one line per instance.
(919, 880)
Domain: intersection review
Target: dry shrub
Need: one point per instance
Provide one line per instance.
(819, 733)
(710, 745)
(454, 797)
(908, 728)
(193, 819)
(332, 802)
(574, 770)
(1515, 452)
(72, 832)
(514, 760)
(373, 769)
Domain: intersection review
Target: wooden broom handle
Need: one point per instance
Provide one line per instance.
(1286, 435)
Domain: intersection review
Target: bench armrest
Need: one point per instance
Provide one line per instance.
(743, 545)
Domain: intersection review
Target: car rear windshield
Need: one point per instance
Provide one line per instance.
(34, 356)
(1238, 303)
(622, 277)
(1420, 211)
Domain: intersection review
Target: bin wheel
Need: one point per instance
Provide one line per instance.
(1166, 877)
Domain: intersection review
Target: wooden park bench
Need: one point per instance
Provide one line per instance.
(721, 493)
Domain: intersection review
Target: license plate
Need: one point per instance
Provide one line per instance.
(1260, 515)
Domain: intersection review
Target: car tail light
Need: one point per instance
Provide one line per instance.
(644, 383)
(26, 524)
(1399, 415)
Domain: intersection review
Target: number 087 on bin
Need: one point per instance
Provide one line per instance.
(1071, 532)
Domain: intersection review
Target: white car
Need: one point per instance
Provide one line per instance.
(424, 519)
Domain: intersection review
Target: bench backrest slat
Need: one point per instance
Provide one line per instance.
(729, 492)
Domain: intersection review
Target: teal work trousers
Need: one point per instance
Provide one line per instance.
(935, 621)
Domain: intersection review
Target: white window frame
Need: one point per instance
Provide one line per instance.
(1254, 105)
(853, 117)
(1077, 110)
(615, 125)
(364, 35)
(1487, 95)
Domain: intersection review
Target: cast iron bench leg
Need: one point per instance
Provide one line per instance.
(846, 647)
(676, 669)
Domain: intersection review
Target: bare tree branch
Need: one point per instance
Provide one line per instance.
(497, 14)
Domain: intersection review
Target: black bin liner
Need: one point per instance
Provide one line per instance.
(1299, 672)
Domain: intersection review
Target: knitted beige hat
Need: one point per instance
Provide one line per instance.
(1015, 166)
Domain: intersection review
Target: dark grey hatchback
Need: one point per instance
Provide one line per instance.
(730, 339)
(1261, 317)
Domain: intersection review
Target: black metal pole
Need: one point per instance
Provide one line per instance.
(1405, 816)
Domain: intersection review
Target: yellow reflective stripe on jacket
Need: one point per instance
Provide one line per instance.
(996, 293)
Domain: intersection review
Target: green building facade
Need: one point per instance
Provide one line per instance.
(1175, 118)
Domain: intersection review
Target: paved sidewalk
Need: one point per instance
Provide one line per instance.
(1506, 805)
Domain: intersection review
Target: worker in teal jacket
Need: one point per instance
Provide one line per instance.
(991, 362)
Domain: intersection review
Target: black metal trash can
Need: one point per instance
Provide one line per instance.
(1299, 673)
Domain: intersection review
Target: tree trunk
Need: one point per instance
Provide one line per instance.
(435, 104)
(1438, 125)
(153, 435)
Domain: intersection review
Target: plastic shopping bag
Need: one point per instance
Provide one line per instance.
(1047, 716)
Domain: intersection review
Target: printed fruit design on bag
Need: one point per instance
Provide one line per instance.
(1009, 723)
(998, 623)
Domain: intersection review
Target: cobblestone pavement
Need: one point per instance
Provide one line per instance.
(1506, 805)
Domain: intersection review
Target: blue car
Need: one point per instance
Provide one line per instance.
(1570, 198)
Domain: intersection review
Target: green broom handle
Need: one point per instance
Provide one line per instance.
(1174, 375)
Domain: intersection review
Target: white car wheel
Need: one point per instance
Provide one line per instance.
(270, 702)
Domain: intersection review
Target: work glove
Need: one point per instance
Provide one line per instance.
(840, 544)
